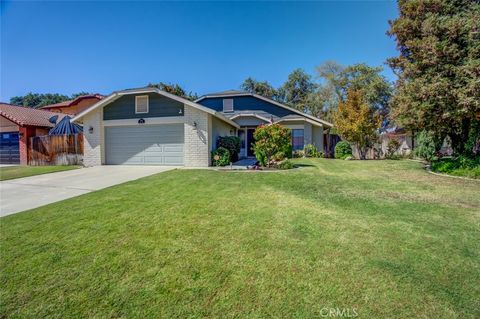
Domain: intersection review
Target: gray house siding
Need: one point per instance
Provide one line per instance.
(220, 128)
(159, 106)
(246, 103)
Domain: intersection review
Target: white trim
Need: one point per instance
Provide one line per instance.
(270, 101)
(302, 119)
(251, 115)
(115, 95)
(148, 121)
(136, 104)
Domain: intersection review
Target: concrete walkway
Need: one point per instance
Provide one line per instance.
(20, 194)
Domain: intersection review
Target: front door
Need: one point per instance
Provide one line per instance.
(250, 141)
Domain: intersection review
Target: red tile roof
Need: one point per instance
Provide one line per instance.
(73, 102)
(25, 116)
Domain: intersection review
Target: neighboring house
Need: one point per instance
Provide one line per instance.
(17, 125)
(74, 107)
(148, 126)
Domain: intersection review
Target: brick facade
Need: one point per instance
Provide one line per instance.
(93, 142)
(197, 139)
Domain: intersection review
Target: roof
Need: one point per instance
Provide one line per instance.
(74, 101)
(26, 116)
(226, 93)
(117, 94)
(233, 93)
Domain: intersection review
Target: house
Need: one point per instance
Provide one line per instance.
(251, 110)
(75, 106)
(17, 125)
(147, 126)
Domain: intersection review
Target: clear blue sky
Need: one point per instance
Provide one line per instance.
(68, 47)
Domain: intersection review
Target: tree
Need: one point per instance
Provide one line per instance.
(264, 88)
(175, 89)
(37, 100)
(438, 69)
(271, 141)
(295, 90)
(357, 122)
(361, 77)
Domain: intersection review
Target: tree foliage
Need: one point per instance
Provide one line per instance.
(357, 122)
(438, 69)
(271, 141)
(175, 89)
(295, 91)
(37, 100)
(264, 88)
(360, 77)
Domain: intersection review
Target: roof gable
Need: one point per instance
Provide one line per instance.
(262, 104)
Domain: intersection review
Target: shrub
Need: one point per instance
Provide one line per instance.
(425, 147)
(232, 144)
(272, 143)
(286, 164)
(298, 154)
(343, 150)
(221, 157)
(460, 166)
(392, 147)
(310, 150)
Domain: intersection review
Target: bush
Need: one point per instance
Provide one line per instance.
(232, 144)
(392, 147)
(343, 150)
(221, 157)
(310, 150)
(272, 143)
(286, 164)
(298, 154)
(460, 166)
(425, 146)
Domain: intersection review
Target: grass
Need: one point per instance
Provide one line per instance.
(12, 172)
(381, 239)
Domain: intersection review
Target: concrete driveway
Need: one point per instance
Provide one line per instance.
(20, 194)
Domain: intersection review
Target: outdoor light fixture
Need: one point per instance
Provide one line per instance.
(141, 121)
(90, 130)
(179, 111)
(194, 125)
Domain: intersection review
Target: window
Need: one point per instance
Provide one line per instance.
(297, 139)
(227, 105)
(141, 104)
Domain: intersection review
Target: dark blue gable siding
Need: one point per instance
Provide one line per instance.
(159, 106)
(246, 103)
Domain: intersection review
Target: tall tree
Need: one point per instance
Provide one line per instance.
(261, 88)
(374, 86)
(295, 90)
(357, 122)
(438, 69)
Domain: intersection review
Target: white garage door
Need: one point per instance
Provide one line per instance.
(144, 144)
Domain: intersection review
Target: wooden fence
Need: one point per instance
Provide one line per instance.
(56, 150)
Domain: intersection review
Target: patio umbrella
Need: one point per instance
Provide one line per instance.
(65, 127)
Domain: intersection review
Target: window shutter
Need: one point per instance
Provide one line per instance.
(227, 105)
(141, 104)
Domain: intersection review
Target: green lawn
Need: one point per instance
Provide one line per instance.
(383, 239)
(11, 172)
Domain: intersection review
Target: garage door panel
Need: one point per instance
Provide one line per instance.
(149, 145)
